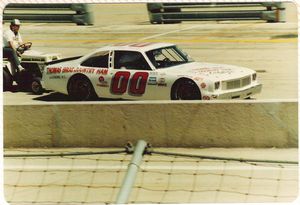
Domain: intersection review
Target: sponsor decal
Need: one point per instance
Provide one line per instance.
(203, 85)
(102, 82)
(152, 81)
(78, 70)
(102, 71)
(55, 70)
(67, 70)
(153, 73)
(137, 83)
(198, 79)
(102, 85)
(101, 79)
(84, 70)
(214, 70)
(161, 82)
(55, 77)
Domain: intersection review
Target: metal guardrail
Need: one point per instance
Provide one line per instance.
(177, 12)
(49, 13)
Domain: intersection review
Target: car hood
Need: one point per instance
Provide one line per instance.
(217, 72)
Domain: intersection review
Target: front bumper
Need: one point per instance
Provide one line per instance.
(240, 94)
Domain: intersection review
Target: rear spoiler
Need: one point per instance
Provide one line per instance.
(62, 60)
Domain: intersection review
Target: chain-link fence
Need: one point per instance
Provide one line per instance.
(94, 176)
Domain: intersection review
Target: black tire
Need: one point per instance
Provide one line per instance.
(36, 86)
(7, 80)
(185, 89)
(81, 89)
(24, 79)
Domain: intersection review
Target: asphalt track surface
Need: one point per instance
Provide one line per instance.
(268, 48)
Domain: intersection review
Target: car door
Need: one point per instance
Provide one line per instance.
(129, 75)
(96, 67)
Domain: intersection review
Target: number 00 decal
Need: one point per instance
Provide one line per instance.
(137, 83)
(119, 82)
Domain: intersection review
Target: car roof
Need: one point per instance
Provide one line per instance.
(139, 46)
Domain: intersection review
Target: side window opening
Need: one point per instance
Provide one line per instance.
(99, 60)
(130, 60)
(167, 56)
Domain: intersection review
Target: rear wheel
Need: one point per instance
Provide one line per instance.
(23, 79)
(7, 80)
(185, 89)
(81, 89)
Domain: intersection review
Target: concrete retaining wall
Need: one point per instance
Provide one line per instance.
(163, 124)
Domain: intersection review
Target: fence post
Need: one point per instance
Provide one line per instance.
(132, 170)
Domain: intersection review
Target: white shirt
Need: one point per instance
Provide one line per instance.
(9, 35)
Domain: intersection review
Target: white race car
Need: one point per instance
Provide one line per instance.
(148, 71)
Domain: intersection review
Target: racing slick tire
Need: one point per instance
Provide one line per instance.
(185, 89)
(36, 86)
(7, 80)
(81, 89)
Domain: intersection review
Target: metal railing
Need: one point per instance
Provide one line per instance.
(49, 13)
(177, 12)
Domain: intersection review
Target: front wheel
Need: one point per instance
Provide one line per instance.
(185, 89)
(81, 89)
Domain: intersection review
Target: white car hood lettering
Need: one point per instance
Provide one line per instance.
(213, 71)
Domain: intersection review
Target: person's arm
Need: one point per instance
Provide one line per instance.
(10, 39)
(20, 40)
(12, 45)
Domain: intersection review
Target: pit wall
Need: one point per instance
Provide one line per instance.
(163, 124)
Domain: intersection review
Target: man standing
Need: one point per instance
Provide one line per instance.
(11, 41)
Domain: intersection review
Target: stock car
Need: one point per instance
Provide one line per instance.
(148, 71)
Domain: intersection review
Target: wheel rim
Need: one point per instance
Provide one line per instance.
(187, 91)
(36, 87)
(80, 89)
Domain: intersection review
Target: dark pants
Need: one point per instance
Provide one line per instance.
(12, 56)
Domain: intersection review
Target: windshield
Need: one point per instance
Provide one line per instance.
(167, 57)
